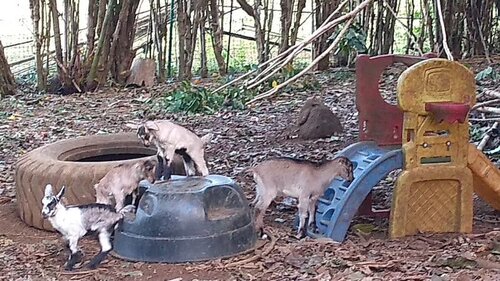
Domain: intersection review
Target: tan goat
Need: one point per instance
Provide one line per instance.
(304, 180)
(170, 138)
(123, 180)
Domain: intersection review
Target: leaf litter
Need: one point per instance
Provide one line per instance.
(242, 138)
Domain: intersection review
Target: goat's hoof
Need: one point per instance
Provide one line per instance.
(301, 234)
(261, 233)
(313, 228)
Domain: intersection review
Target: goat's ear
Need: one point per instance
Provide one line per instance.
(61, 193)
(132, 126)
(48, 190)
(151, 125)
(207, 138)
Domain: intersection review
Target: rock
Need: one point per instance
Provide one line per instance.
(142, 73)
(316, 120)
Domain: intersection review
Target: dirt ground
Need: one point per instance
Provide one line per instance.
(242, 138)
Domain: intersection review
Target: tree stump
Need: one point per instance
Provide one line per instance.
(7, 82)
(316, 120)
(142, 73)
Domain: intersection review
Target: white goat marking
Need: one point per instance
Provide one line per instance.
(75, 221)
(169, 138)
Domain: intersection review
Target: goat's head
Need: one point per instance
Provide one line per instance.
(145, 131)
(148, 169)
(50, 202)
(346, 170)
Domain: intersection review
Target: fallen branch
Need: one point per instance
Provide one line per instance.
(282, 59)
(485, 103)
(493, 151)
(485, 119)
(297, 76)
(494, 232)
(492, 93)
(247, 74)
(82, 272)
(488, 109)
(256, 257)
(296, 49)
(487, 137)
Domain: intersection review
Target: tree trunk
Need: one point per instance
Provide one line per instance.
(182, 31)
(479, 26)
(121, 53)
(323, 9)
(38, 42)
(7, 82)
(260, 33)
(286, 23)
(262, 56)
(101, 15)
(159, 28)
(269, 16)
(301, 4)
(217, 36)
(410, 10)
(100, 57)
(203, 43)
(93, 10)
(57, 33)
(191, 44)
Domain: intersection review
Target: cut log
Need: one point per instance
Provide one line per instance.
(7, 82)
(316, 120)
(142, 73)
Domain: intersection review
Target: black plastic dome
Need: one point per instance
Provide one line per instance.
(187, 219)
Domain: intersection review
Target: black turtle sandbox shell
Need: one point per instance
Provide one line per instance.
(187, 219)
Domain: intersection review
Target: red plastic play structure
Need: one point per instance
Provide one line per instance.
(378, 121)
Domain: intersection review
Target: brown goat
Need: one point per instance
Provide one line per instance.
(171, 139)
(123, 180)
(304, 180)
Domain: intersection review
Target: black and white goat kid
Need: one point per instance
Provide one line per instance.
(74, 222)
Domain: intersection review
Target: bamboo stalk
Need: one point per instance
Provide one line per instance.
(297, 76)
(247, 74)
(296, 49)
(443, 31)
(407, 30)
(280, 60)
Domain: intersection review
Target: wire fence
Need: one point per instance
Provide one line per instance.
(20, 51)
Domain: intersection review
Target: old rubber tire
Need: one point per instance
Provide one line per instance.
(76, 163)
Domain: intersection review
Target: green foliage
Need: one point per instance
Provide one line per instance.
(194, 99)
(488, 74)
(306, 82)
(353, 42)
(476, 132)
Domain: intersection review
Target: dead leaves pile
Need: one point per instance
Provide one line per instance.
(242, 138)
